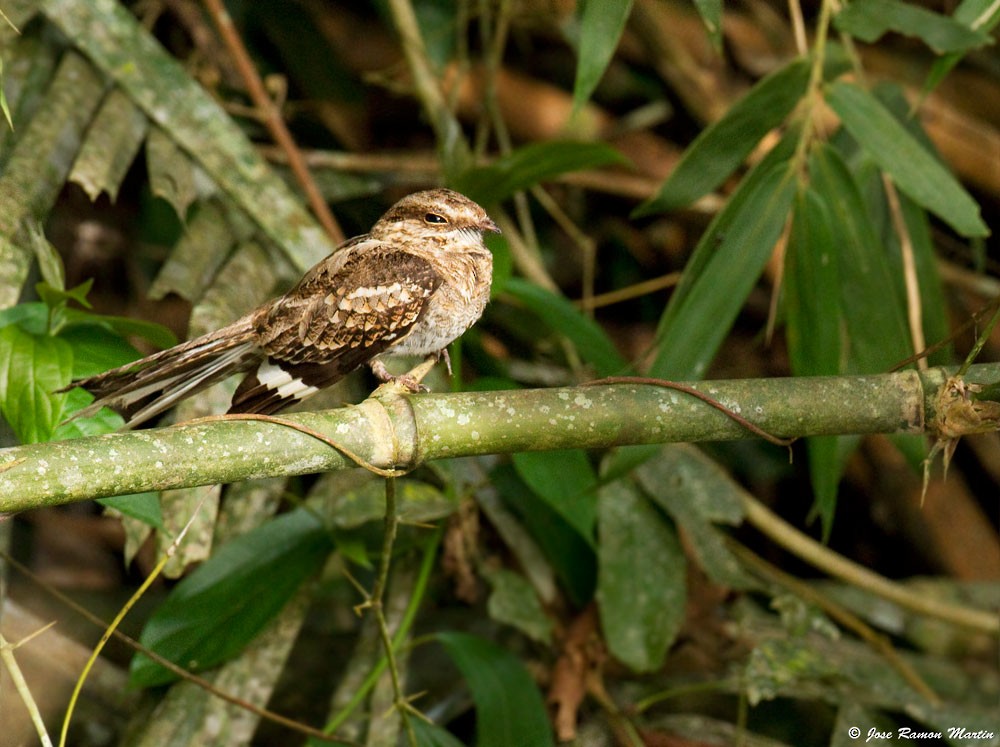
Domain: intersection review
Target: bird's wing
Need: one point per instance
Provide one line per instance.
(344, 314)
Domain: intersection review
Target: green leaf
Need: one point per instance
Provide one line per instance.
(720, 148)
(812, 311)
(213, 613)
(601, 26)
(561, 316)
(723, 270)
(509, 708)
(873, 311)
(711, 15)
(697, 493)
(419, 502)
(513, 601)
(54, 297)
(915, 171)
(641, 577)
(812, 305)
(103, 421)
(96, 349)
(32, 367)
(3, 100)
(50, 264)
(566, 482)
(142, 506)
(570, 555)
(432, 735)
(154, 333)
(870, 19)
(531, 164)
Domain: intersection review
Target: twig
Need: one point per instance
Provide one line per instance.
(272, 119)
(21, 685)
(914, 312)
(837, 565)
(841, 615)
(374, 602)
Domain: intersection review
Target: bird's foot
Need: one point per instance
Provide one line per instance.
(408, 382)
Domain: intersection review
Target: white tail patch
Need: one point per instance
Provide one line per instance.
(283, 383)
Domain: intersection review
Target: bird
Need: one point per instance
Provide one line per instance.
(410, 286)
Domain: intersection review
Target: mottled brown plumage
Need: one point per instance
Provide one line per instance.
(410, 286)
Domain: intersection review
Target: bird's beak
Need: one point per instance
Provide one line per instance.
(488, 225)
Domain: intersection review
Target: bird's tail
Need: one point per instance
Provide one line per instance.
(141, 390)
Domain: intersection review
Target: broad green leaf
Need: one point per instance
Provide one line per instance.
(697, 493)
(686, 482)
(720, 149)
(563, 317)
(566, 482)
(873, 312)
(711, 15)
(32, 367)
(531, 164)
(213, 613)
(868, 20)
(104, 421)
(513, 601)
(570, 555)
(723, 270)
(509, 708)
(142, 506)
(152, 332)
(641, 590)
(96, 349)
(812, 310)
(915, 171)
(418, 502)
(601, 26)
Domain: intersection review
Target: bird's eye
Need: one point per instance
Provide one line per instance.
(435, 218)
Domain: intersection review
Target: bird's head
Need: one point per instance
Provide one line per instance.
(434, 212)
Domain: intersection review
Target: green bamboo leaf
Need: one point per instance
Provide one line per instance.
(563, 317)
(531, 164)
(32, 367)
(812, 309)
(871, 19)
(981, 15)
(601, 26)
(723, 270)
(812, 304)
(914, 170)
(509, 708)
(142, 506)
(720, 149)
(566, 481)
(213, 613)
(641, 590)
(711, 15)
(872, 309)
